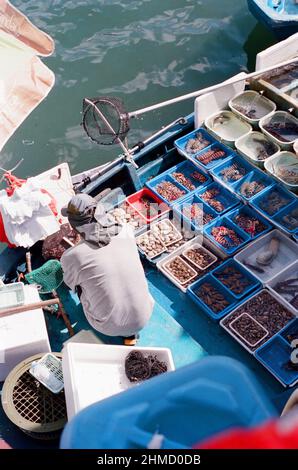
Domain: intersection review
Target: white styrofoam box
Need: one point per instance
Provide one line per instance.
(22, 334)
(93, 372)
(287, 254)
(232, 127)
(247, 146)
(277, 53)
(282, 160)
(210, 103)
(291, 272)
(11, 295)
(275, 118)
(248, 100)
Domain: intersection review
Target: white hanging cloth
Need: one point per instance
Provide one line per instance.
(27, 217)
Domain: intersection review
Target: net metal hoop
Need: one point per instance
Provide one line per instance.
(105, 120)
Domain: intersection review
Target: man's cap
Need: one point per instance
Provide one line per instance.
(80, 209)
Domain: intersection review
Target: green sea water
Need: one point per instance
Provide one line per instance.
(143, 51)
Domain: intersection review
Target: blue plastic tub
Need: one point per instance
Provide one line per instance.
(255, 175)
(210, 396)
(181, 143)
(217, 146)
(188, 169)
(245, 210)
(227, 199)
(275, 354)
(185, 205)
(262, 202)
(239, 162)
(208, 278)
(252, 282)
(290, 332)
(152, 184)
(287, 218)
(226, 222)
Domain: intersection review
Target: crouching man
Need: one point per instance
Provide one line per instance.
(106, 272)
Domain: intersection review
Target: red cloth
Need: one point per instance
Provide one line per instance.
(276, 434)
(3, 237)
(13, 183)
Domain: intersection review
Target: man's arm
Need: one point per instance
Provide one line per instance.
(70, 273)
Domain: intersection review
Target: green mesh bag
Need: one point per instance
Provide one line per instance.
(49, 276)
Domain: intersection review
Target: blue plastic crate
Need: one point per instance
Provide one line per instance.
(274, 355)
(181, 143)
(208, 278)
(152, 184)
(253, 282)
(290, 330)
(247, 211)
(188, 168)
(180, 209)
(261, 202)
(228, 200)
(239, 162)
(255, 175)
(217, 146)
(287, 218)
(226, 222)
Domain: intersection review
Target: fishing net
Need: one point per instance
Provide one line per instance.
(105, 120)
(49, 276)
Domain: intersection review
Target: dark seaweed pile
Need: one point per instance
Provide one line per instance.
(139, 367)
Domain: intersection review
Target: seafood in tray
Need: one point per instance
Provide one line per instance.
(127, 214)
(281, 127)
(284, 166)
(235, 278)
(150, 244)
(257, 320)
(169, 191)
(180, 270)
(256, 147)
(268, 255)
(199, 256)
(197, 143)
(211, 155)
(166, 232)
(251, 106)
(227, 126)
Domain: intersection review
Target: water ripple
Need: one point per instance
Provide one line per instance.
(141, 50)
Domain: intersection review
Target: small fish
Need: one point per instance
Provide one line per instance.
(247, 111)
(266, 148)
(253, 266)
(221, 119)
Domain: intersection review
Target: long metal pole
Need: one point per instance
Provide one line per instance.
(157, 134)
(194, 94)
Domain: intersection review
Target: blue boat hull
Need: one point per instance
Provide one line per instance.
(188, 406)
(282, 27)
